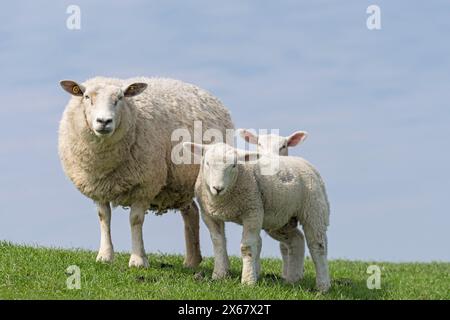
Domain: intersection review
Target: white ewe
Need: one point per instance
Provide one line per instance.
(115, 146)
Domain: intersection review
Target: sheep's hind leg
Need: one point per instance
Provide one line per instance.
(137, 216)
(191, 221)
(258, 257)
(317, 245)
(106, 251)
(292, 247)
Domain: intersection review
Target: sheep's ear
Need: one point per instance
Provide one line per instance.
(248, 136)
(247, 156)
(72, 87)
(295, 138)
(194, 148)
(135, 89)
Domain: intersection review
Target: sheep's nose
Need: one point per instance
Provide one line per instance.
(218, 189)
(104, 122)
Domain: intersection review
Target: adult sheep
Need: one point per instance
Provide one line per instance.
(115, 146)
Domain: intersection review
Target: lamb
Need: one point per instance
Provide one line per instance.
(228, 189)
(115, 146)
(278, 145)
(273, 143)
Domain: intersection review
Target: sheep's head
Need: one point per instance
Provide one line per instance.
(219, 165)
(272, 143)
(103, 104)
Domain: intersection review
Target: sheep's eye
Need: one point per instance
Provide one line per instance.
(87, 97)
(234, 165)
(282, 147)
(120, 98)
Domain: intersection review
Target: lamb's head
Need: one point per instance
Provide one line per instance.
(103, 104)
(219, 165)
(272, 143)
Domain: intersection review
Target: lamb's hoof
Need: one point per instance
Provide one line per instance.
(248, 282)
(192, 262)
(323, 287)
(105, 256)
(293, 279)
(218, 275)
(138, 261)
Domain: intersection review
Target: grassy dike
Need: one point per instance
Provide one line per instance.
(41, 273)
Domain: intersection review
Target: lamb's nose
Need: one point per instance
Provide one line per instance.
(218, 189)
(104, 122)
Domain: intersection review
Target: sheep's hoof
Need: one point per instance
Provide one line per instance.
(248, 282)
(293, 279)
(192, 263)
(138, 261)
(105, 256)
(218, 275)
(323, 287)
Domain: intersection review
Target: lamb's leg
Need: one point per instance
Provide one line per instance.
(317, 245)
(137, 216)
(249, 249)
(191, 234)
(106, 251)
(296, 255)
(217, 231)
(292, 247)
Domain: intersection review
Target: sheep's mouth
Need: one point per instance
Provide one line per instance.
(103, 131)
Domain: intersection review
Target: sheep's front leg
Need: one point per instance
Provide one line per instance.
(137, 216)
(250, 249)
(106, 251)
(191, 234)
(217, 231)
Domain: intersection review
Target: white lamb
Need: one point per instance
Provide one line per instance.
(279, 145)
(229, 190)
(273, 143)
(115, 146)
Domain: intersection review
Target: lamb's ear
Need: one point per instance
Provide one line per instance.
(247, 156)
(248, 136)
(72, 87)
(297, 137)
(194, 148)
(134, 89)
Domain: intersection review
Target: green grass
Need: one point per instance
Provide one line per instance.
(40, 273)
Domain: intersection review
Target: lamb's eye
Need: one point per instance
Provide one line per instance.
(120, 97)
(234, 165)
(87, 97)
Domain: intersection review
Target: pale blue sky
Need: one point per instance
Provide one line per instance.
(376, 105)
